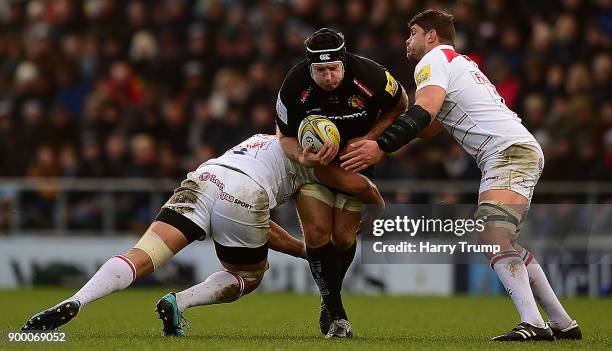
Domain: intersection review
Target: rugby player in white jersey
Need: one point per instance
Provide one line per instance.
(453, 93)
(228, 198)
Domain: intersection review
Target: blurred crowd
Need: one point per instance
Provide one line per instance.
(135, 88)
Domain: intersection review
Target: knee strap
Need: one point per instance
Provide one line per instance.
(499, 215)
(155, 247)
(252, 276)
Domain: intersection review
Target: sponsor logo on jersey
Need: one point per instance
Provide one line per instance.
(209, 177)
(363, 88)
(357, 102)
(351, 116)
(305, 94)
(479, 77)
(423, 76)
(262, 145)
(392, 85)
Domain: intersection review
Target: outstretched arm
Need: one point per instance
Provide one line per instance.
(387, 117)
(403, 130)
(351, 183)
(280, 240)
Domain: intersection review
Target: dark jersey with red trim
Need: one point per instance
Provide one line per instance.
(366, 90)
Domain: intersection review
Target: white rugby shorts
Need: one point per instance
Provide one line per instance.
(230, 206)
(517, 168)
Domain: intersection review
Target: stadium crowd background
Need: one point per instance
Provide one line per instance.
(117, 88)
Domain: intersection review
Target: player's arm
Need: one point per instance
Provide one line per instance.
(387, 117)
(351, 183)
(402, 131)
(430, 131)
(286, 131)
(382, 123)
(280, 240)
(306, 157)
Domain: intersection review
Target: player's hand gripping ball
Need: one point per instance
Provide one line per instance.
(315, 130)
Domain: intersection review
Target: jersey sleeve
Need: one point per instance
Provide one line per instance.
(432, 70)
(387, 90)
(282, 120)
(288, 113)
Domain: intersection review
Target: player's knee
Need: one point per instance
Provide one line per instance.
(252, 279)
(155, 248)
(500, 221)
(344, 240)
(317, 232)
(249, 280)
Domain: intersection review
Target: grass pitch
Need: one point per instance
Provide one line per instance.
(126, 321)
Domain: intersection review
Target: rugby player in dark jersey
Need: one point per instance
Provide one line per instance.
(362, 98)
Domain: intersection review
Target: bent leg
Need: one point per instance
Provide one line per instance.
(543, 292)
(347, 219)
(116, 274)
(315, 209)
(502, 210)
(244, 268)
(159, 243)
(223, 286)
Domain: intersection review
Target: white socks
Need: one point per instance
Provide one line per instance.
(513, 274)
(220, 287)
(116, 274)
(543, 292)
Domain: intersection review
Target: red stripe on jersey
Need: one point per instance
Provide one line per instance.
(528, 261)
(129, 263)
(363, 88)
(450, 54)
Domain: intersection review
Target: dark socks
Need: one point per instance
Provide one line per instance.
(326, 271)
(345, 258)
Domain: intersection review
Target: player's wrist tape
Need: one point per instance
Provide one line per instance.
(404, 129)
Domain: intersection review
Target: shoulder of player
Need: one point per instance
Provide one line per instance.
(296, 78)
(362, 67)
(440, 55)
(367, 75)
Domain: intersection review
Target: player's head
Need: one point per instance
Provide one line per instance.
(429, 29)
(326, 57)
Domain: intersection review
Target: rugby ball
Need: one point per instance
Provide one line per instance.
(314, 130)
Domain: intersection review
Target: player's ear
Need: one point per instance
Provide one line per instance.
(431, 35)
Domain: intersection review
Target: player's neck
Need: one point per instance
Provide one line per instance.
(429, 47)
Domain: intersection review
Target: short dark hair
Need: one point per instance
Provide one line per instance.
(440, 21)
(325, 45)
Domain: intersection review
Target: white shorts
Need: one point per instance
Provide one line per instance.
(228, 205)
(517, 168)
(331, 198)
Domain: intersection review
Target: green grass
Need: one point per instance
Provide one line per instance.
(126, 321)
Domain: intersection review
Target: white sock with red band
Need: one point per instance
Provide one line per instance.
(116, 274)
(219, 287)
(543, 292)
(513, 274)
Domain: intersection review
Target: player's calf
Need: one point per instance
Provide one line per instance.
(560, 322)
(501, 222)
(221, 287)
